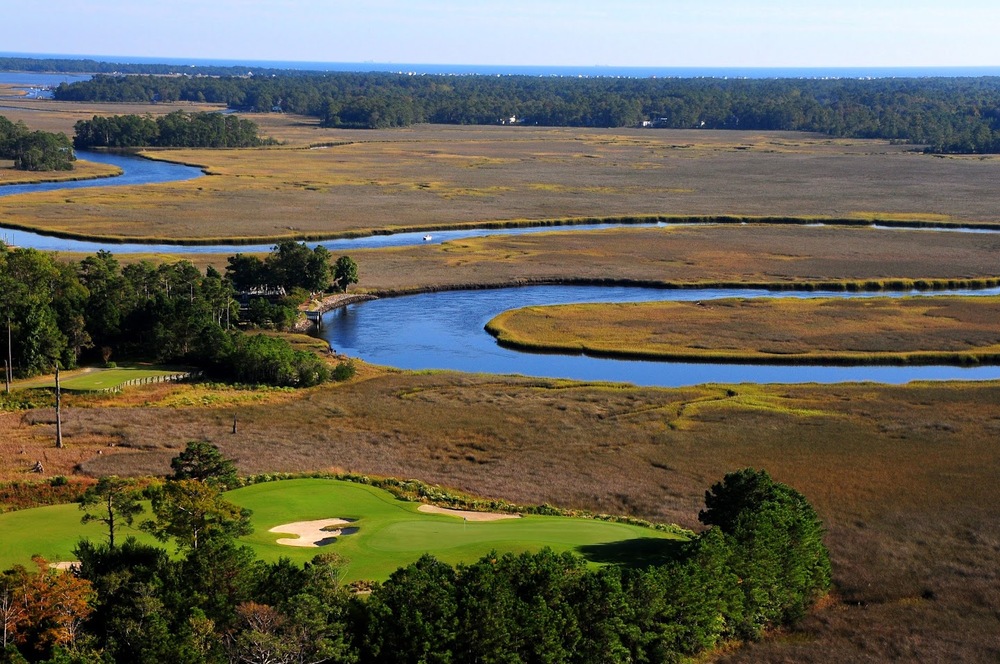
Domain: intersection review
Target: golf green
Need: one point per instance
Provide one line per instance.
(385, 533)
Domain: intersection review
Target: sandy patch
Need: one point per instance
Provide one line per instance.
(66, 565)
(467, 515)
(312, 533)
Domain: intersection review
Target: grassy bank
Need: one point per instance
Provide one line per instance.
(95, 379)
(942, 330)
(82, 170)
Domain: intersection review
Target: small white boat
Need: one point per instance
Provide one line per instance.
(428, 238)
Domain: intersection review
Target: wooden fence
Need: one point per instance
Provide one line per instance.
(149, 380)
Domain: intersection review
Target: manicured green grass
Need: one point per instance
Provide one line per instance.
(391, 533)
(94, 379)
(51, 532)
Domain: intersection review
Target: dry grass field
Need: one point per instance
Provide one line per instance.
(880, 330)
(904, 477)
(324, 182)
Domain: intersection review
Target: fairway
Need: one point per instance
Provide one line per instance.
(390, 533)
(94, 379)
(52, 532)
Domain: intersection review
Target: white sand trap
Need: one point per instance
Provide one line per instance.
(312, 533)
(467, 515)
(66, 565)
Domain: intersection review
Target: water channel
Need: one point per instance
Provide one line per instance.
(444, 330)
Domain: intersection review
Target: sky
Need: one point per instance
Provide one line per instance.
(655, 33)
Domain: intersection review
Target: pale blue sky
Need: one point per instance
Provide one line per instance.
(669, 33)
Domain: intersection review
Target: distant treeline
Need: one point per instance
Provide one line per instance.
(177, 129)
(946, 114)
(88, 66)
(34, 150)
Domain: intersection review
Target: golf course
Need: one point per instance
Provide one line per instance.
(385, 533)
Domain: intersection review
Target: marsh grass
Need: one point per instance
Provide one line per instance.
(82, 170)
(719, 255)
(436, 176)
(952, 330)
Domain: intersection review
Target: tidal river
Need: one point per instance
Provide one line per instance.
(445, 330)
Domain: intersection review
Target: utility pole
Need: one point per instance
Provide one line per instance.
(9, 362)
(59, 440)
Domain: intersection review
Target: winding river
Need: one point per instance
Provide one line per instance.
(444, 330)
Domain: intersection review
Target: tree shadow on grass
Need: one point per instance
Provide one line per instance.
(634, 553)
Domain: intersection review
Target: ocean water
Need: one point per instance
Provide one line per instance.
(547, 70)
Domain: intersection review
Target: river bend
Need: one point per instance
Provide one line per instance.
(444, 330)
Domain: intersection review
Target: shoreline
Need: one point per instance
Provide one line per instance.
(328, 303)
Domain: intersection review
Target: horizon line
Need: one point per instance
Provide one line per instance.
(194, 61)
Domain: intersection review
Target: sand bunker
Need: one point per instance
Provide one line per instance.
(66, 565)
(313, 533)
(468, 516)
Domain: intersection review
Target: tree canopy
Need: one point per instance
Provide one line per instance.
(214, 602)
(944, 114)
(177, 129)
(63, 312)
(34, 150)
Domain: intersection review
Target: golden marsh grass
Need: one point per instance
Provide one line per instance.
(82, 170)
(435, 176)
(956, 330)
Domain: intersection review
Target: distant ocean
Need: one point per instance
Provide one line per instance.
(547, 70)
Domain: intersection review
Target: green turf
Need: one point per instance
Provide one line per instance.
(51, 532)
(391, 533)
(102, 379)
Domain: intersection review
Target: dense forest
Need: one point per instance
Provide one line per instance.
(959, 115)
(34, 150)
(177, 129)
(760, 564)
(96, 309)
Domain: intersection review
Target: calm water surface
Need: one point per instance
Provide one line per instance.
(445, 331)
